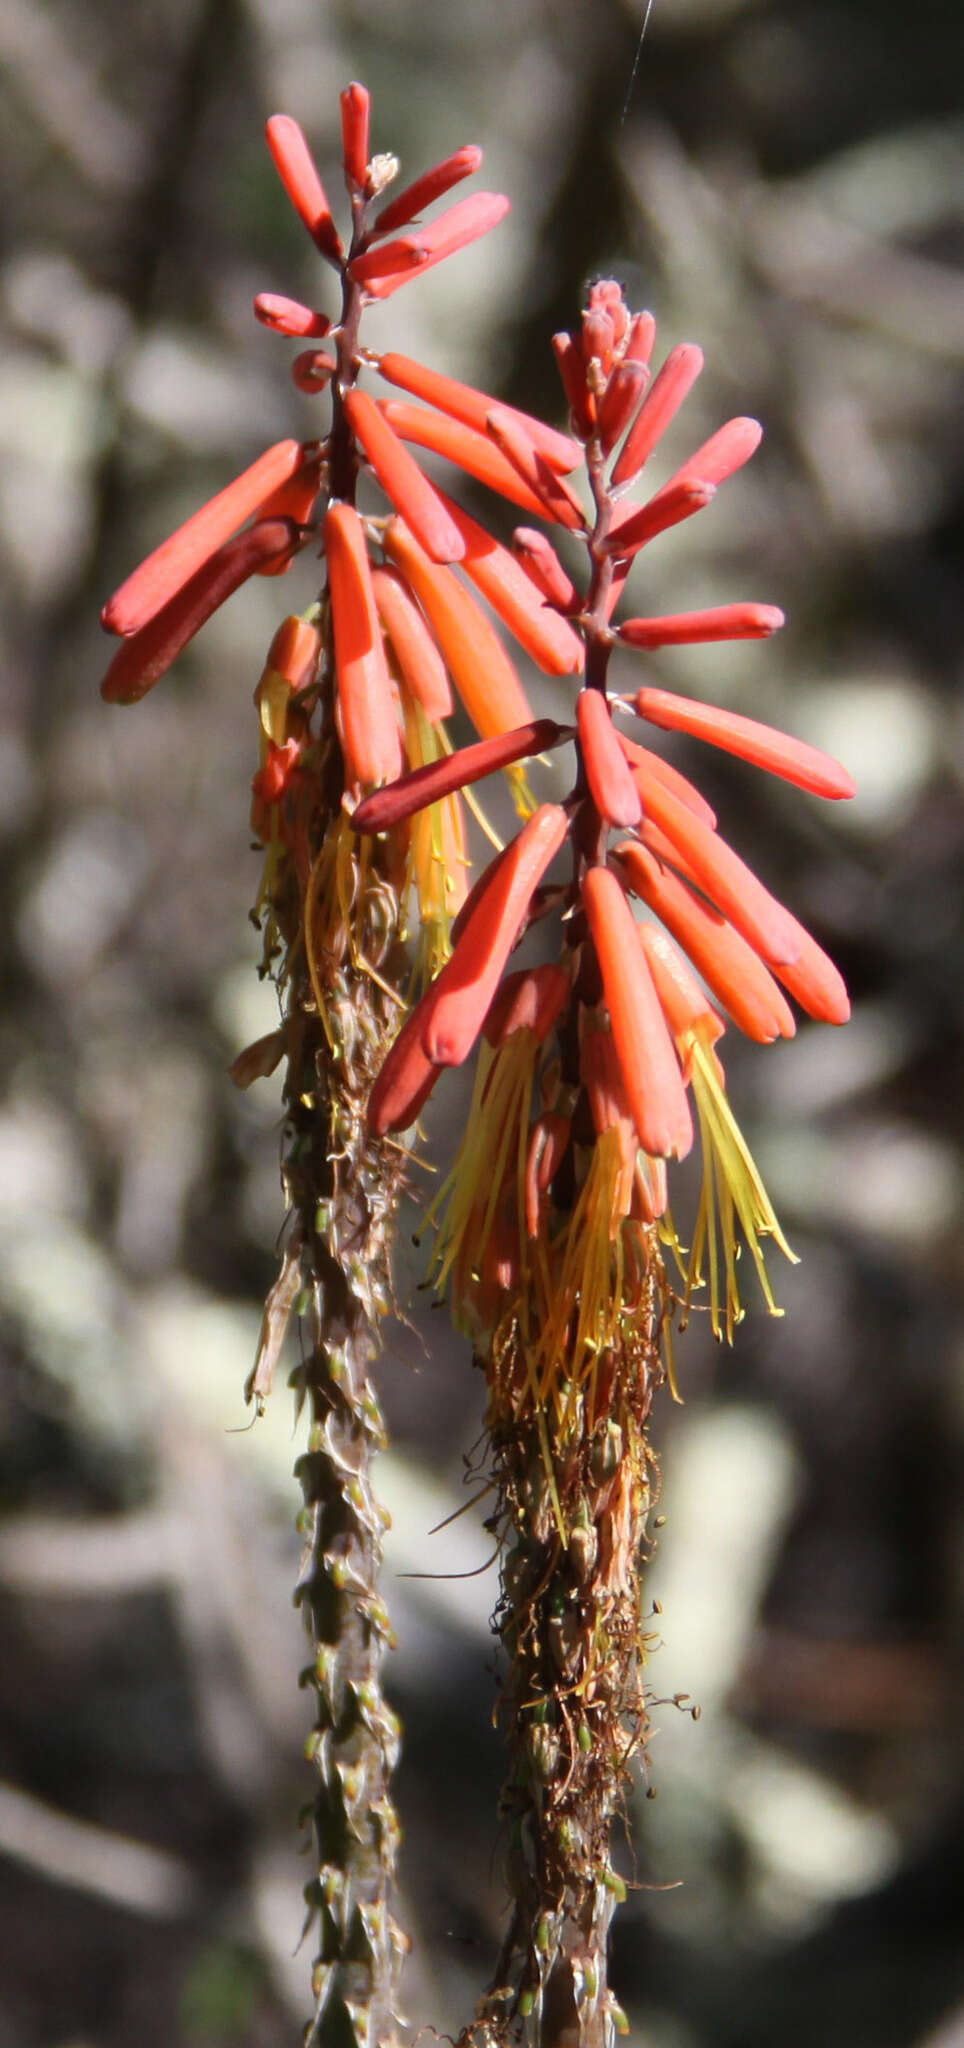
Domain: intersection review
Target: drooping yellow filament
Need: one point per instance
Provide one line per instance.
(732, 1192)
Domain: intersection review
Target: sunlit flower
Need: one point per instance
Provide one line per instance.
(548, 1222)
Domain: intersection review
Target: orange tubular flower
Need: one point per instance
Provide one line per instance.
(473, 452)
(647, 1060)
(762, 744)
(152, 586)
(476, 659)
(549, 639)
(149, 652)
(729, 966)
(369, 723)
(454, 1008)
(611, 784)
(423, 671)
(403, 482)
(461, 402)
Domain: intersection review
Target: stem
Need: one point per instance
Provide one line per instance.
(333, 905)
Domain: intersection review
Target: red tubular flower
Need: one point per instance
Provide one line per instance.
(423, 671)
(369, 724)
(647, 1059)
(402, 481)
(762, 744)
(544, 569)
(289, 316)
(644, 764)
(547, 638)
(473, 452)
(157, 580)
(296, 168)
(547, 1149)
(475, 657)
(554, 496)
(454, 230)
(355, 113)
(147, 654)
(633, 526)
(661, 404)
(611, 785)
(728, 882)
(437, 779)
(719, 622)
(432, 185)
(454, 1009)
(685, 1005)
(530, 1000)
(731, 969)
(472, 407)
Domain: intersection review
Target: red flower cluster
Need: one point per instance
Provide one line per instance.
(734, 933)
(631, 1031)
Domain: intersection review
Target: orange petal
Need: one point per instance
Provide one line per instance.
(473, 407)
(718, 622)
(554, 496)
(312, 371)
(611, 784)
(762, 744)
(685, 1004)
(294, 652)
(647, 1058)
(473, 452)
(549, 639)
(454, 1010)
(145, 656)
(424, 673)
(726, 879)
(366, 705)
(408, 204)
(813, 980)
(728, 965)
(296, 168)
(402, 481)
(474, 655)
(161, 576)
(646, 763)
(436, 779)
(660, 405)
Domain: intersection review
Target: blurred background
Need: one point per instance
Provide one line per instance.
(782, 181)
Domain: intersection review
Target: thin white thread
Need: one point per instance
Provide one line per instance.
(632, 75)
